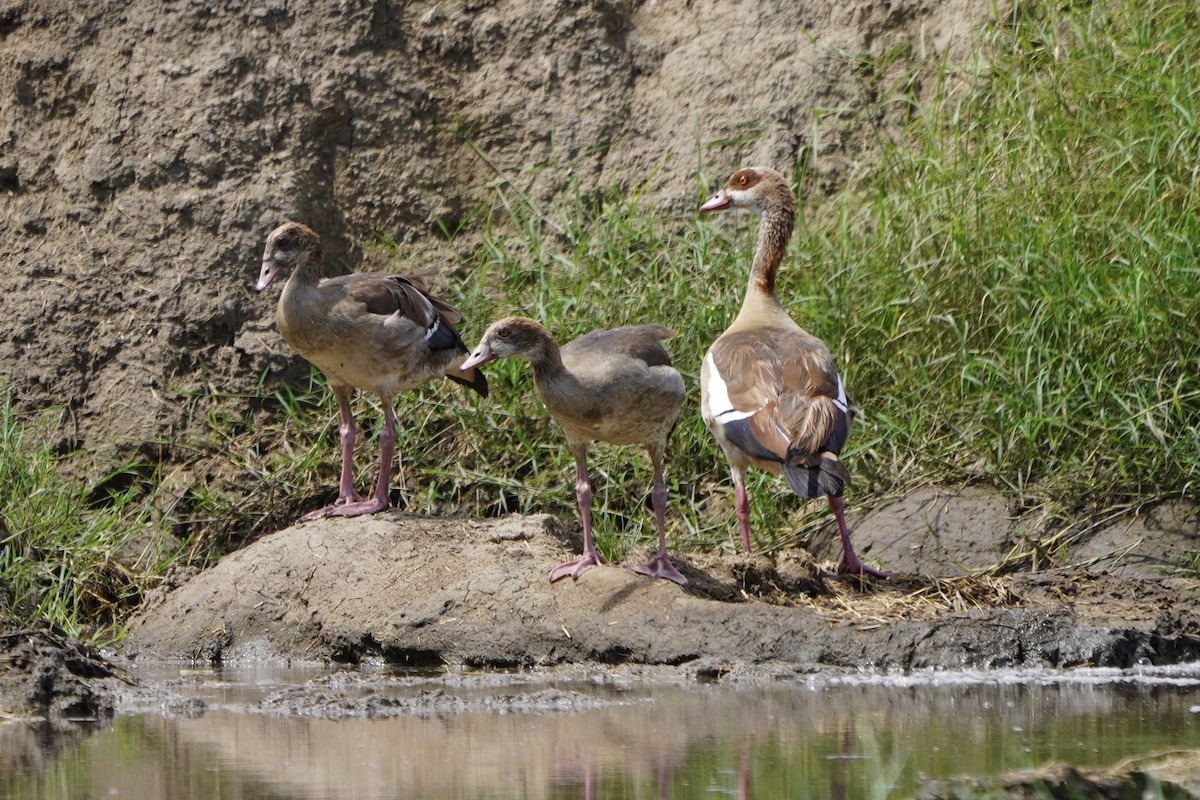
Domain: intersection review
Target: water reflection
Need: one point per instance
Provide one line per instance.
(862, 738)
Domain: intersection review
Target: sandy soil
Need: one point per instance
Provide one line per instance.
(428, 591)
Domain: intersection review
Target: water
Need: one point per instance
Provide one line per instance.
(866, 737)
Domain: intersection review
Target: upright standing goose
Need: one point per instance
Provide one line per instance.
(769, 391)
(378, 333)
(615, 386)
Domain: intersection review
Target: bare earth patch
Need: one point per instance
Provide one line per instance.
(424, 591)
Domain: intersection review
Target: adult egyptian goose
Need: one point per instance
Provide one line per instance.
(769, 391)
(615, 386)
(378, 333)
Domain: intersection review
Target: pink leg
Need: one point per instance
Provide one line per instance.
(583, 494)
(350, 503)
(387, 450)
(660, 566)
(850, 564)
(742, 504)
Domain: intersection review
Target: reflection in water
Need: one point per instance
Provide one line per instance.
(869, 738)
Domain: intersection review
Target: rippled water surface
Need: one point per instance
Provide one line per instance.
(867, 737)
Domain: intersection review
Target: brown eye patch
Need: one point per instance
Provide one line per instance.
(744, 179)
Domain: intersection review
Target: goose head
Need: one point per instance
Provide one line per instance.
(511, 337)
(290, 246)
(754, 188)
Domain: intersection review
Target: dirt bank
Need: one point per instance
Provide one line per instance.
(427, 592)
(147, 149)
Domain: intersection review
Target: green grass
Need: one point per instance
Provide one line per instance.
(1025, 279)
(71, 556)
(1012, 293)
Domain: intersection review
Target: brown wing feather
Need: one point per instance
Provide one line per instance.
(787, 378)
(749, 367)
(806, 402)
(447, 312)
(768, 432)
(388, 294)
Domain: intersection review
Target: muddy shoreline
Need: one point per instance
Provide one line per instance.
(401, 616)
(450, 595)
(430, 592)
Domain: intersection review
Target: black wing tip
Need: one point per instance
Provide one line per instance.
(828, 478)
(443, 336)
(472, 379)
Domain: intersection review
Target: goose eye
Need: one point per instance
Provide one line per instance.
(284, 242)
(502, 333)
(743, 180)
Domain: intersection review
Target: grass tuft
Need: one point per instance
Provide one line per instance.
(1025, 269)
(72, 555)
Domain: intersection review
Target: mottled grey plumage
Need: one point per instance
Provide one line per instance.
(616, 386)
(379, 333)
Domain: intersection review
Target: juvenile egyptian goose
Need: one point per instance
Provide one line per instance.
(615, 386)
(769, 391)
(378, 333)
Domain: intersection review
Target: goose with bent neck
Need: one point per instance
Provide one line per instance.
(769, 390)
(379, 333)
(616, 386)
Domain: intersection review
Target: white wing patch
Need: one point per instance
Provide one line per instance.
(840, 401)
(718, 396)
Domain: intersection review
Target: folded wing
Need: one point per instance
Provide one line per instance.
(778, 398)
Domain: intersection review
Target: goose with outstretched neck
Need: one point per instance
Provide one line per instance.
(378, 333)
(615, 385)
(769, 390)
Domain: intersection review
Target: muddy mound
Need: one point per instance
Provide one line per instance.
(421, 591)
(46, 676)
(147, 149)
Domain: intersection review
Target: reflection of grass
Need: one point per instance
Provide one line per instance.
(882, 769)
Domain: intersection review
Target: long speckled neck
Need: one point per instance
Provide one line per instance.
(774, 231)
(760, 303)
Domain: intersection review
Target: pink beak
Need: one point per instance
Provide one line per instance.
(716, 202)
(267, 275)
(481, 355)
